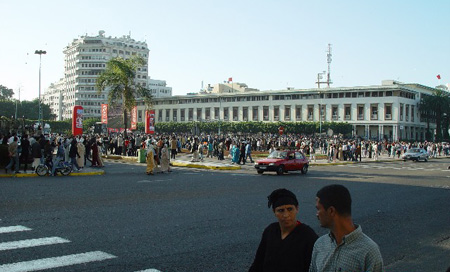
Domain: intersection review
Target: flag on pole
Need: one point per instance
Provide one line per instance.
(438, 76)
(230, 79)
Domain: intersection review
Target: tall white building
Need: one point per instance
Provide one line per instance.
(53, 97)
(85, 58)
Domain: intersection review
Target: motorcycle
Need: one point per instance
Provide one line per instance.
(62, 167)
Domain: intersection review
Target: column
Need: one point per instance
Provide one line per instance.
(366, 131)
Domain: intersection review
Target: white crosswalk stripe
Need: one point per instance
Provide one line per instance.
(13, 229)
(55, 262)
(32, 243)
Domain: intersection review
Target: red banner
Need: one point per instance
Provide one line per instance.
(104, 113)
(134, 118)
(150, 122)
(77, 120)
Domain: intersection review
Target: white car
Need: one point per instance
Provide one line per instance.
(415, 154)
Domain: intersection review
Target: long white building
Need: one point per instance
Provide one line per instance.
(389, 110)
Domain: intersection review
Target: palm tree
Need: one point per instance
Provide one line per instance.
(119, 79)
(433, 108)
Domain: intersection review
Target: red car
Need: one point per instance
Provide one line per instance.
(283, 161)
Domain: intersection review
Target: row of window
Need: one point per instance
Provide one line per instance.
(93, 65)
(406, 112)
(287, 97)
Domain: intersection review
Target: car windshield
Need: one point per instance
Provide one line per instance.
(277, 155)
(414, 150)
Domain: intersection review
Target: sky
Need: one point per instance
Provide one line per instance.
(268, 45)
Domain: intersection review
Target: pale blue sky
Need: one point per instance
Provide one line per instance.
(269, 45)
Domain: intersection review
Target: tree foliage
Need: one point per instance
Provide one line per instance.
(27, 109)
(252, 127)
(6, 93)
(119, 79)
(436, 109)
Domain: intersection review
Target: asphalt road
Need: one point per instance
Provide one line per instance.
(203, 220)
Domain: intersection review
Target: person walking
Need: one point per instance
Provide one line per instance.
(345, 247)
(36, 152)
(13, 156)
(285, 245)
(248, 152)
(165, 159)
(150, 159)
(73, 154)
(25, 154)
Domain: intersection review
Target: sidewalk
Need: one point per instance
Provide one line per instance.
(86, 171)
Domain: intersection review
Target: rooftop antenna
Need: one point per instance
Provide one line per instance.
(329, 66)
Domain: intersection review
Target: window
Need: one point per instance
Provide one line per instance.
(235, 113)
(191, 115)
(287, 113)
(160, 115)
(182, 114)
(167, 115)
(310, 112)
(334, 113)
(225, 114)
(216, 113)
(255, 113)
(265, 113)
(388, 112)
(276, 113)
(348, 112)
(401, 112)
(199, 114)
(360, 112)
(323, 109)
(412, 113)
(245, 113)
(298, 113)
(174, 115)
(374, 112)
(208, 114)
(407, 113)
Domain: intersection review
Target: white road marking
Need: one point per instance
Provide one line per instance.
(13, 229)
(149, 270)
(32, 243)
(155, 180)
(54, 262)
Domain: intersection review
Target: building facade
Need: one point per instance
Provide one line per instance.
(158, 88)
(84, 59)
(389, 110)
(53, 97)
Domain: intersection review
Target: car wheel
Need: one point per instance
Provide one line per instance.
(260, 172)
(280, 170)
(426, 159)
(305, 169)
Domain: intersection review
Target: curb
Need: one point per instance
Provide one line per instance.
(31, 175)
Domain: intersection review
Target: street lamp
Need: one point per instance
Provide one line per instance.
(40, 52)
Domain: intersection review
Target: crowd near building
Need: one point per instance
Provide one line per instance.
(388, 111)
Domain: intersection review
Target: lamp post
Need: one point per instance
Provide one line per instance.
(40, 52)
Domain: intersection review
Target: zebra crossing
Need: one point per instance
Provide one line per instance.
(52, 262)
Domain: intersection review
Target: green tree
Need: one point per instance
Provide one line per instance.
(6, 93)
(119, 79)
(434, 109)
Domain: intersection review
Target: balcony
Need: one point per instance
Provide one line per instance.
(174, 119)
(276, 118)
(374, 117)
(182, 118)
(335, 117)
(360, 116)
(388, 116)
(255, 118)
(310, 118)
(287, 118)
(167, 119)
(245, 119)
(225, 118)
(191, 119)
(266, 118)
(235, 118)
(348, 117)
(298, 118)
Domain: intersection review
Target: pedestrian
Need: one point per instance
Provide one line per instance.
(13, 156)
(59, 157)
(73, 154)
(150, 159)
(25, 154)
(285, 245)
(82, 151)
(36, 152)
(194, 151)
(173, 147)
(345, 247)
(312, 152)
(165, 159)
(248, 152)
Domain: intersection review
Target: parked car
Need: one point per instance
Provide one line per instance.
(282, 162)
(415, 154)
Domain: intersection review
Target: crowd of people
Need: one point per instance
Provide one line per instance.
(236, 147)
